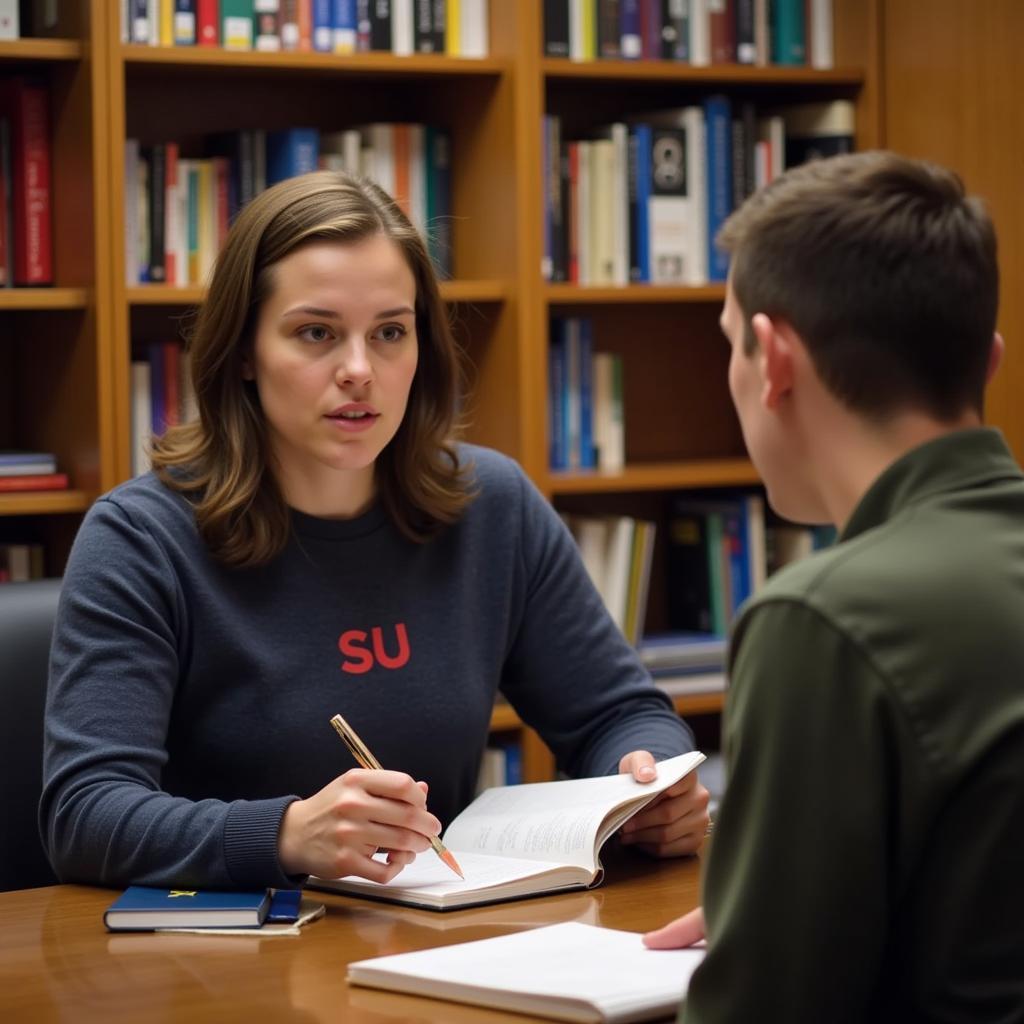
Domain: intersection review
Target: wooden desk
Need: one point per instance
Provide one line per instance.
(58, 963)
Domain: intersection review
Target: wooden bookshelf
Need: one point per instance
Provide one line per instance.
(667, 476)
(586, 295)
(681, 432)
(192, 295)
(43, 503)
(45, 298)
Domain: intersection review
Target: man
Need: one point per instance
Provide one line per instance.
(868, 859)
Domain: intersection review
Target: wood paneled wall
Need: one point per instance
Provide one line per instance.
(954, 93)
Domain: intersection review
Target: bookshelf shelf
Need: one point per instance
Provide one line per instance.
(374, 64)
(192, 295)
(617, 71)
(579, 295)
(699, 703)
(657, 476)
(44, 298)
(30, 503)
(41, 49)
(504, 718)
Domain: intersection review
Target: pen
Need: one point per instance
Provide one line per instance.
(361, 752)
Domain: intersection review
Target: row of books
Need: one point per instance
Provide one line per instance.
(20, 563)
(641, 201)
(696, 32)
(161, 397)
(21, 19)
(618, 553)
(26, 242)
(178, 209)
(458, 28)
(501, 765)
(585, 409)
(30, 471)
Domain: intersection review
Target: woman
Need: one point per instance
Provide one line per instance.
(316, 543)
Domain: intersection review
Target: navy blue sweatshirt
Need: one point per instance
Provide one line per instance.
(189, 703)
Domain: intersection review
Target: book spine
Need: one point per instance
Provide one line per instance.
(6, 214)
(650, 29)
(207, 23)
(588, 456)
(556, 28)
(668, 207)
(236, 24)
(675, 30)
(402, 31)
(380, 15)
(266, 25)
(157, 213)
(788, 35)
(184, 28)
(323, 25)
(289, 25)
(630, 44)
(33, 255)
(719, 180)
(722, 31)
(34, 482)
(608, 35)
(746, 40)
(557, 447)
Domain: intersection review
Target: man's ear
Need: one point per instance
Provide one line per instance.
(775, 356)
(995, 356)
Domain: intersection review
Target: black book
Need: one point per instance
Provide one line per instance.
(675, 30)
(157, 212)
(428, 27)
(556, 28)
(380, 25)
(608, 35)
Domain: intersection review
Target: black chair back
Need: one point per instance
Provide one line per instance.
(27, 613)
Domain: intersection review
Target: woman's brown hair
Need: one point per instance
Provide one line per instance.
(221, 460)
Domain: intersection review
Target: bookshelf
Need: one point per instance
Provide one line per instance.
(56, 366)
(69, 388)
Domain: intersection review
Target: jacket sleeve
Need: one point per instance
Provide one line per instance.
(119, 641)
(798, 883)
(570, 673)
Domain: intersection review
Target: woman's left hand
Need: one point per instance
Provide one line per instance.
(676, 822)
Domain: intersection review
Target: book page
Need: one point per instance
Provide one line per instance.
(556, 821)
(562, 966)
(427, 876)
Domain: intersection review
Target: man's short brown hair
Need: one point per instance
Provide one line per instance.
(887, 271)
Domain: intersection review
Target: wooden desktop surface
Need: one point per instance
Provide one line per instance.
(58, 962)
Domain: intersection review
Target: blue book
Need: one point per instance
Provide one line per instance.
(718, 117)
(291, 152)
(639, 199)
(142, 909)
(558, 456)
(323, 26)
(588, 454)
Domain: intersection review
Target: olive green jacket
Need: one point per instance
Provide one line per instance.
(868, 859)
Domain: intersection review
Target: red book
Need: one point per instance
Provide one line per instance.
(207, 19)
(26, 104)
(36, 482)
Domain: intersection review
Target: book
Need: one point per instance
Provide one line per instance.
(35, 482)
(527, 840)
(569, 971)
(14, 463)
(142, 908)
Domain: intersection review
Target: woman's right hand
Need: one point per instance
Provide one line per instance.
(337, 831)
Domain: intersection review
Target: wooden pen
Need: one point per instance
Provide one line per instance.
(361, 752)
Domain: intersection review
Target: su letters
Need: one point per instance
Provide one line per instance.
(360, 658)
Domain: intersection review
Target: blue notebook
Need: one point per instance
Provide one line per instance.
(140, 908)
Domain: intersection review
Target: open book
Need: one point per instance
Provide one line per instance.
(515, 841)
(569, 971)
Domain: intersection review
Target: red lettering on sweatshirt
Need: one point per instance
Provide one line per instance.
(352, 643)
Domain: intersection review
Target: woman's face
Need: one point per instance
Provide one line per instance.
(333, 359)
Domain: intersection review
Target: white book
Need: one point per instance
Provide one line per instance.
(821, 42)
(584, 227)
(9, 24)
(609, 433)
(402, 36)
(696, 263)
(569, 971)
(700, 33)
(417, 178)
(576, 44)
(142, 418)
(516, 841)
(473, 28)
(131, 211)
(591, 536)
(602, 212)
(381, 140)
(619, 563)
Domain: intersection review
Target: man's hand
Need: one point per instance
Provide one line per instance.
(673, 825)
(683, 931)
